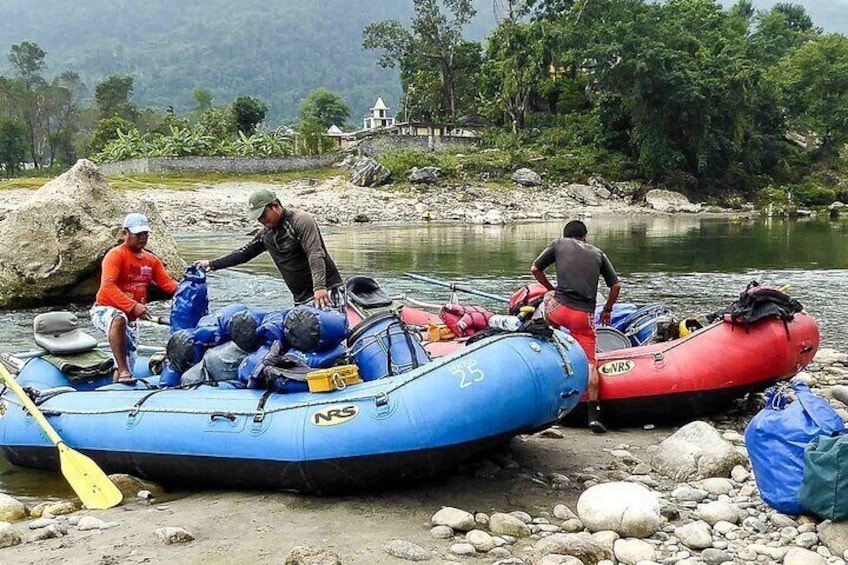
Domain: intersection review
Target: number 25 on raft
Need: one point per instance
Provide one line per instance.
(468, 374)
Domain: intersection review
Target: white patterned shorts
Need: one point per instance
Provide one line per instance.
(102, 318)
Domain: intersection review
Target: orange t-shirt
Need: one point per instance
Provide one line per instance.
(126, 277)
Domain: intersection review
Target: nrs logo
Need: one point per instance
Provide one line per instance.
(334, 416)
(613, 368)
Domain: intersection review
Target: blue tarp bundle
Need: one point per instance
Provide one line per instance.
(776, 439)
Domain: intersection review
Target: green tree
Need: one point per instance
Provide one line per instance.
(248, 113)
(219, 123)
(814, 85)
(311, 138)
(779, 31)
(107, 131)
(326, 106)
(202, 100)
(112, 98)
(27, 60)
(13, 145)
(432, 36)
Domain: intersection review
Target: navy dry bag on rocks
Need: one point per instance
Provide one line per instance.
(776, 439)
(191, 300)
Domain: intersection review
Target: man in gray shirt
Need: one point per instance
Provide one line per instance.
(571, 304)
(293, 240)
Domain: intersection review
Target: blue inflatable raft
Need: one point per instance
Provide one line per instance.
(392, 429)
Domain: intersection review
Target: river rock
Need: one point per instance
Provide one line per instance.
(629, 509)
(87, 523)
(631, 551)
(11, 509)
(801, 556)
(581, 546)
(306, 555)
(527, 177)
(717, 485)
(508, 525)
(834, 535)
(425, 175)
(52, 245)
(454, 518)
(696, 451)
(719, 511)
(584, 194)
(696, 535)
(403, 549)
(668, 201)
(8, 536)
(130, 486)
(368, 172)
(481, 540)
(441, 532)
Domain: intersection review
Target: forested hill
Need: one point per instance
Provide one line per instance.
(276, 50)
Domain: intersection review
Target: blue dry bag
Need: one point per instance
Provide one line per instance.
(191, 300)
(776, 439)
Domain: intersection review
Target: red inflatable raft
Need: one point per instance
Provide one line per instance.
(702, 372)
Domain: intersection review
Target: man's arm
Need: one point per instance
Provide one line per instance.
(542, 262)
(243, 254)
(307, 232)
(611, 278)
(162, 279)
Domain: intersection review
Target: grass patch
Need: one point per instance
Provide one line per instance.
(29, 183)
(183, 181)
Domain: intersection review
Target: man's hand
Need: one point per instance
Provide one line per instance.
(322, 298)
(141, 312)
(203, 264)
(606, 318)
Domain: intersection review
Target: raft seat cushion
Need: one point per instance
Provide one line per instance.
(365, 292)
(59, 333)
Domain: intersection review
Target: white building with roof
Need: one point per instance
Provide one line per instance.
(379, 116)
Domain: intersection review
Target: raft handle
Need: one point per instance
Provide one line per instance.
(224, 415)
(381, 399)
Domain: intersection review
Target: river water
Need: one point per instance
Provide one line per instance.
(693, 264)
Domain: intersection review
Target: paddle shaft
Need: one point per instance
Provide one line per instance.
(457, 287)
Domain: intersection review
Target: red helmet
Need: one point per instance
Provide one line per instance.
(527, 295)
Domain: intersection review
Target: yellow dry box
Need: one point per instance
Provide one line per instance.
(334, 378)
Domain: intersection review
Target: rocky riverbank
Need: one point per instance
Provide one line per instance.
(220, 207)
(564, 496)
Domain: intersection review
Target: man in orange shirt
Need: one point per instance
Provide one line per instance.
(128, 271)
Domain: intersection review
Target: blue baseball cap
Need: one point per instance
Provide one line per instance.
(137, 223)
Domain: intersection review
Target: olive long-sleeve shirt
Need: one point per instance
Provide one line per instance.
(297, 248)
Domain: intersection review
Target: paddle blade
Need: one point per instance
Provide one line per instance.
(88, 480)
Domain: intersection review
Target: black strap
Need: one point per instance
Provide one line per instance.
(259, 415)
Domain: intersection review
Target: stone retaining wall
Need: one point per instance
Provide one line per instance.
(219, 164)
(376, 145)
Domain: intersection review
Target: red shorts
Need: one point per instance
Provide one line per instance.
(580, 324)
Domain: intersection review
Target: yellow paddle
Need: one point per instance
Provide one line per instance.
(88, 480)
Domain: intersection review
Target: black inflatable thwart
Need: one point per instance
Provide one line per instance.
(311, 329)
(365, 292)
(243, 331)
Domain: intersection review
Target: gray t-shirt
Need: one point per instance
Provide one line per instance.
(579, 265)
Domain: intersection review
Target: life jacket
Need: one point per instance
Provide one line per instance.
(757, 302)
(465, 321)
(528, 295)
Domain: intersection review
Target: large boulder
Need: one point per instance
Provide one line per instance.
(368, 172)
(527, 177)
(52, 245)
(668, 201)
(629, 509)
(694, 452)
(425, 175)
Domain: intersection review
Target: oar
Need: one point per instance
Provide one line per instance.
(458, 287)
(88, 480)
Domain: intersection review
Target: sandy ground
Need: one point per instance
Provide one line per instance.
(245, 527)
